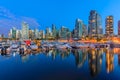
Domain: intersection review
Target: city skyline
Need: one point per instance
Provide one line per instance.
(65, 14)
(60, 39)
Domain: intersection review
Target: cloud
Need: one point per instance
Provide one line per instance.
(9, 20)
(5, 13)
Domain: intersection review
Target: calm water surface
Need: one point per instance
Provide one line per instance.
(84, 64)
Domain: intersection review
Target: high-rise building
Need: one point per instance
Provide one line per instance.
(10, 33)
(109, 26)
(94, 25)
(54, 31)
(18, 34)
(25, 30)
(119, 27)
(13, 31)
(36, 33)
(31, 34)
(85, 32)
(41, 33)
(48, 34)
(64, 33)
(78, 28)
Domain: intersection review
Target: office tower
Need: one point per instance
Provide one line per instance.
(64, 33)
(85, 32)
(78, 29)
(2, 35)
(18, 34)
(31, 34)
(54, 31)
(109, 26)
(25, 30)
(41, 34)
(119, 27)
(36, 33)
(48, 33)
(94, 25)
(10, 34)
(13, 32)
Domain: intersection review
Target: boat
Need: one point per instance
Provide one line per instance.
(92, 46)
(23, 46)
(77, 45)
(8, 50)
(14, 47)
(1, 47)
(63, 46)
(33, 47)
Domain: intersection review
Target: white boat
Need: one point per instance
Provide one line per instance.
(92, 46)
(8, 50)
(14, 47)
(83, 45)
(76, 45)
(23, 46)
(63, 46)
(50, 45)
(0, 47)
(79, 45)
(34, 46)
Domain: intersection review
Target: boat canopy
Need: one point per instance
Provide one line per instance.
(28, 42)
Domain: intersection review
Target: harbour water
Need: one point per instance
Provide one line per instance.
(76, 64)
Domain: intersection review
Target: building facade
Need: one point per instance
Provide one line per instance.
(54, 31)
(13, 32)
(119, 27)
(36, 34)
(25, 30)
(31, 34)
(94, 25)
(64, 33)
(18, 34)
(42, 35)
(109, 26)
(48, 34)
(78, 29)
(85, 31)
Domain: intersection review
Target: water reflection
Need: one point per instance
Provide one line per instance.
(98, 60)
(24, 58)
(95, 61)
(119, 59)
(80, 57)
(109, 60)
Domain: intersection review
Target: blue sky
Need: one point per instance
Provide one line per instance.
(42, 13)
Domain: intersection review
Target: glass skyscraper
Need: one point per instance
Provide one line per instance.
(14, 33)
(64, 33)
(54, 31)
(25, 31)
(94, 25)
(78, 32)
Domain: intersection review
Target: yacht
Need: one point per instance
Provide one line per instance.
(63, 46)
(33, 46)
(0, 47)
(14, 47)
